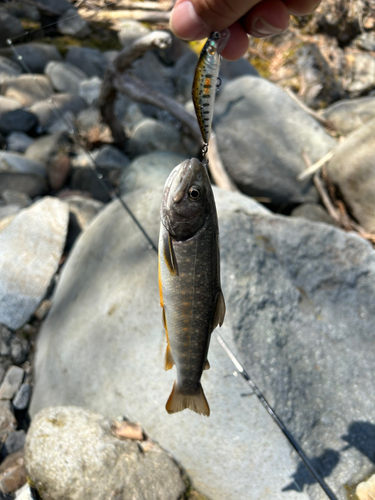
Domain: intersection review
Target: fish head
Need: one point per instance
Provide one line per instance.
(215, 44)
(186, 199)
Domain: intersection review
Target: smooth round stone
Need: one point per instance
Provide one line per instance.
(18, 120)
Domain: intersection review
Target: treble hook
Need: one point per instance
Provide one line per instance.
(218, 83)
(204, 153)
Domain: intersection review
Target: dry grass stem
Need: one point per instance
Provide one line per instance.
(216, 166)
(315, 166)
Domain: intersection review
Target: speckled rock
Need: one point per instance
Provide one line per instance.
(30, 251)
(352, 169)
(360, 76)
(12, 474)
(93, 463)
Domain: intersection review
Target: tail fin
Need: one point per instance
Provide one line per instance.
(178, 401)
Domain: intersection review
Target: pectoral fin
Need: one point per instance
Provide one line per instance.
(206, 365)
(219, 311)
(169, 255)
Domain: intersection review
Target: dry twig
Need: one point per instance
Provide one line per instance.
(143, 16)
(217, 169)
(338, 213)
(315, 166)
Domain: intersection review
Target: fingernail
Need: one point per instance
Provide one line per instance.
(262, 28)
(186, 24)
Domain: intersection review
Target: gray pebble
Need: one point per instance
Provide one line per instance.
(14, 442)
(22, 398)
(11, 383)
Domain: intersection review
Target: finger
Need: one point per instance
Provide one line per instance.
(196, 19)
(301, 8)
(238, 43)
(268, 17)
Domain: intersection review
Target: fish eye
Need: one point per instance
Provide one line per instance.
(211, 50)
(195, 193)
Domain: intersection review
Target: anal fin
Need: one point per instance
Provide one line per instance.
(219, 311)
(169, 361)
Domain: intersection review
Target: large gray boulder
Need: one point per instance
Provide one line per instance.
(72, 453)
(352, 168)
(300, 311)
(262, 134)
(122, 330)
(30, 252)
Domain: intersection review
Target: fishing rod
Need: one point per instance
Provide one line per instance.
(113, 194)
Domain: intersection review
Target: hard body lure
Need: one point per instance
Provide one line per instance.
(189, 280)
(205, 78)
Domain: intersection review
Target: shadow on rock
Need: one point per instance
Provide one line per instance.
(361, 435)
(323, 465)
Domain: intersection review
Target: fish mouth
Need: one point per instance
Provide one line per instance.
(179, 179)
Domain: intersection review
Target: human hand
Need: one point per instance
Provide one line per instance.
(196, 19)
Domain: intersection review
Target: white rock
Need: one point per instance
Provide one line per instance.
(11, 383)
(30, 251)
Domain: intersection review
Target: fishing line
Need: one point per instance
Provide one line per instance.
(115, 195)
(276, 419)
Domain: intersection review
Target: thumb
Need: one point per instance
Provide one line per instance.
(195, 19)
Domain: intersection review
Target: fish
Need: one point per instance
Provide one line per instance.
(189, 280)
(205, 78)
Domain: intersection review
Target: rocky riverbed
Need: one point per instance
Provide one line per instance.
(81, 337)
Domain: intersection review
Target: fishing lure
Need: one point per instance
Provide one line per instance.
(205, 78)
